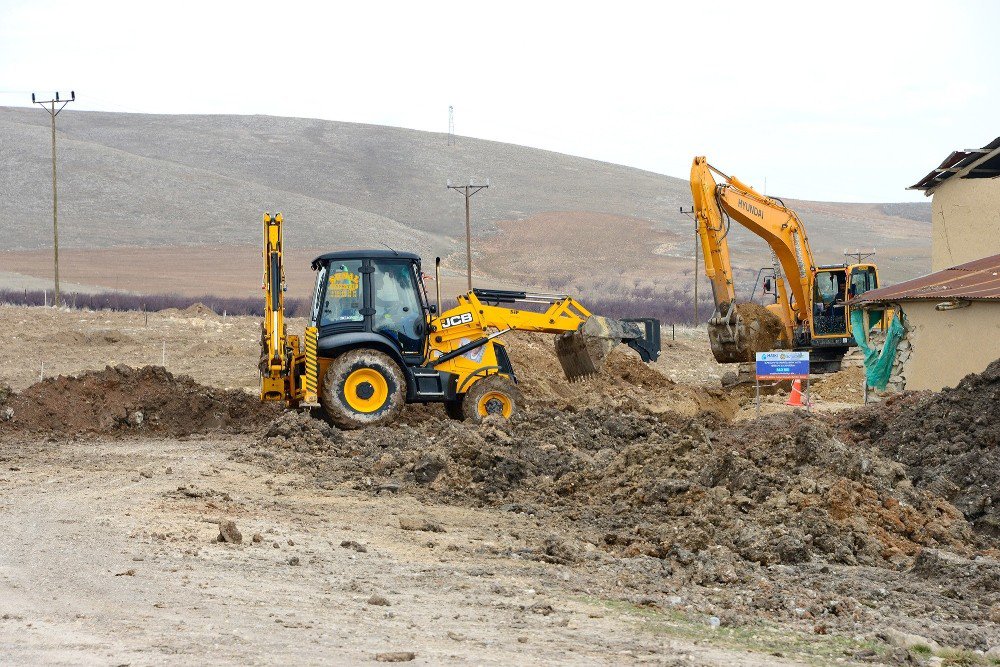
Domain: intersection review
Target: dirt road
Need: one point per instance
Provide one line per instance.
(103, 560)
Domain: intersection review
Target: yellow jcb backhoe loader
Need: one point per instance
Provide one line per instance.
(375, 342)
(810, 302)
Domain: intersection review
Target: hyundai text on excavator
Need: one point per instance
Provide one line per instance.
(375, 342)
(810, 301)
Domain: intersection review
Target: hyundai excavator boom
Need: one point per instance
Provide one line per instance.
(809, 307)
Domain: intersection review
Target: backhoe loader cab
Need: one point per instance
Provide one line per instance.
(374, 341)
(378, 294)
(369, 322)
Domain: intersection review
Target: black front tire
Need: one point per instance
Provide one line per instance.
(362, 388)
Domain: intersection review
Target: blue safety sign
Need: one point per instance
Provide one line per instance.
(782, 365)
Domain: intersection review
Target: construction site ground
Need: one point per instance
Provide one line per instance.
(640, 516)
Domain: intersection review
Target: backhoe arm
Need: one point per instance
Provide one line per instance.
(563, 315)
(280, 354)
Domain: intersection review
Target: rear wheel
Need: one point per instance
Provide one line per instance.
(363, 388)
(493, 395)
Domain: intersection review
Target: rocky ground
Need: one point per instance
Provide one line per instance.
(148, 517)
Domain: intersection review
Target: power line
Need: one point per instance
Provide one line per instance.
(53, 112)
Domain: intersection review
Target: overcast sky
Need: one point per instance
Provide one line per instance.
(843, 101)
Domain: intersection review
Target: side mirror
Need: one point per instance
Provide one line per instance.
(433, 309)
(767, 284)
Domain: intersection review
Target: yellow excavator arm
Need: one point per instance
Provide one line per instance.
(766, 217)
(712, 232)
(784, 233)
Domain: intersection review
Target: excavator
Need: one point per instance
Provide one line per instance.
(810, 301)
(375, 342)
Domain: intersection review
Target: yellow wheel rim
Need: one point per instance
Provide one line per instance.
(495, 402)
(366, 390)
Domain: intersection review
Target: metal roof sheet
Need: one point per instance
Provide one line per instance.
(976, 280)
(980, 162)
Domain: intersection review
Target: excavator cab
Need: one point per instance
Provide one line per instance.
(833, 289)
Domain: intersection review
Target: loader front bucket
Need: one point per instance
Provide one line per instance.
(583, 351)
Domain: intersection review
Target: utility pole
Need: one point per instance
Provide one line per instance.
(53, 112)
(860, 255)
(451, 126)
(697, 320)
(692, 214)
(468, 191)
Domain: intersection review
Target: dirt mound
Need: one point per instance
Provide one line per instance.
(624, 382)
(763, 327)
(123, 400)
(198, 310)
(781, 490)
(844, 386)
(949, 442)
(97, 338)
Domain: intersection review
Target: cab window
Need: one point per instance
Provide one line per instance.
(316, 307)
(344, 296)
(863, 280)
(398, 311)
(829, 287)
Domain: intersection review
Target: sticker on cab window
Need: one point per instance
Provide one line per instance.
(344, 285)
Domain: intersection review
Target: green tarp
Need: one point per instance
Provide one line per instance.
(878, 364)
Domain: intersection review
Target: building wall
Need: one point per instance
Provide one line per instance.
(965, 215)
(945, 346)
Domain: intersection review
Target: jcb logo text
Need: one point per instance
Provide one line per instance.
(455, 320)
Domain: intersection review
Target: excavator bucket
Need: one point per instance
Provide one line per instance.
(583, 351)
(744, 330)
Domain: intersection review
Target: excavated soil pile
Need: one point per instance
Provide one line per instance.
(780, 490)
(844, 386)
(122, 400)
(624, 382)
(949, 442)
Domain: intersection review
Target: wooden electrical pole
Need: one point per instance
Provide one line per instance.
(695, 217)
(697, 320)
(50, 107)
(468, 191)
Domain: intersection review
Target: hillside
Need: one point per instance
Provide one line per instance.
(154, 182)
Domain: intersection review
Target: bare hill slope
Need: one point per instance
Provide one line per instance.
(140, 180)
